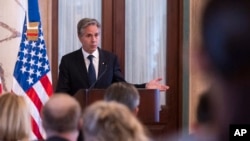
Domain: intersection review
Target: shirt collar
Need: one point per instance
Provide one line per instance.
(86, 54)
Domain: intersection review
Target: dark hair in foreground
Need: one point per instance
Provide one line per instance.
(226, 37)
(226, 47)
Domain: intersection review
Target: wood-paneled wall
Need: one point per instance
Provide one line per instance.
(45, 13)
(48, 13)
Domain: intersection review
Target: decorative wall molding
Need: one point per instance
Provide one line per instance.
(14, 32)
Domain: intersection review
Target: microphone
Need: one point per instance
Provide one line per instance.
(93, 85)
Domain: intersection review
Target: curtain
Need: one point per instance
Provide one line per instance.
(70, 12)
(145, 43)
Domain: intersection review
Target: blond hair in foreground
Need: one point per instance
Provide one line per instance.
(14, 118)
(111, 121)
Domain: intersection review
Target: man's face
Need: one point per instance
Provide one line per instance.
(90, 38)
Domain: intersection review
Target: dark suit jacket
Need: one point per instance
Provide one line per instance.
(73, 72)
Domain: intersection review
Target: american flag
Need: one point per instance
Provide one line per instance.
(32, 77)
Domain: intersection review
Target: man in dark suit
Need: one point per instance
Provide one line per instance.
(103, 65)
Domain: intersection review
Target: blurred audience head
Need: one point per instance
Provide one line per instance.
(124, 93)
(15, 121)
(111, 121)
(225, 55)
(226, 38)
(61, 115)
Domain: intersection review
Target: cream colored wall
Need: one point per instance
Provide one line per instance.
(11, 22)
(197, 80)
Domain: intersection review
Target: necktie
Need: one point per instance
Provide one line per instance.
(91, 70)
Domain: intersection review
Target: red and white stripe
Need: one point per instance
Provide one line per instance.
(36, 97)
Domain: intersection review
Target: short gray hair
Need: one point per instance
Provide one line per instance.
(124, 93)
(85, 22)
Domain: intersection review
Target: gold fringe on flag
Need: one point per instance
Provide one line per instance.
(32, 31)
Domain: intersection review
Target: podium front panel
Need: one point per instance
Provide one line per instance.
(149, 108)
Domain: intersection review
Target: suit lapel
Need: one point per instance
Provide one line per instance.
(102, 62)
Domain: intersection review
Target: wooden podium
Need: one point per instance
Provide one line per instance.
(149, 108)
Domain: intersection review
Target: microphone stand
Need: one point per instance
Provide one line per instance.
(93, 85)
